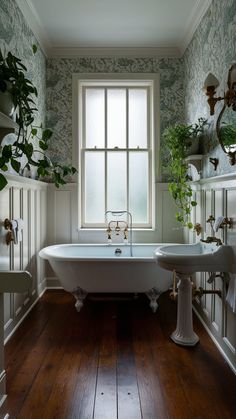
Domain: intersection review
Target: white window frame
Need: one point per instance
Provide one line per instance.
(120, 80)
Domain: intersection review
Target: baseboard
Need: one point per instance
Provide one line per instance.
(40, 293)
(216, 342)
(53, 283)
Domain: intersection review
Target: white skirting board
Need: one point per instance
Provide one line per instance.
(219, 347)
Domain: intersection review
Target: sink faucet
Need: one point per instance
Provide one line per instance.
(210, 239)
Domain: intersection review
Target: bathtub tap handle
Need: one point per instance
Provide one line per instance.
(126, 235)
(109, 234)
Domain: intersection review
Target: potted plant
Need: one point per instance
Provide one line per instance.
(179, 138)
(31, 140)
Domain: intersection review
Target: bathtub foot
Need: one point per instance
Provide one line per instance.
(79, 295)
(153, 295)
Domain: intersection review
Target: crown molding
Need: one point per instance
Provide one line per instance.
(35, 24)
(155, 52)
(200, 8)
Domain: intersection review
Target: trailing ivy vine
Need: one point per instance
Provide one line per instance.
(178, 139)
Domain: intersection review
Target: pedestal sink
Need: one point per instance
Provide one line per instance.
(185, 260)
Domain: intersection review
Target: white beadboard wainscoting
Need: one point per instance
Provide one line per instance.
(27, 199)
(51, 216)
(63, 219)
(216, 196)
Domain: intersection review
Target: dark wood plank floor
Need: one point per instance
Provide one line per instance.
(113, 360)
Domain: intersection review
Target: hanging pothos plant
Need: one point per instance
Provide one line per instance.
(178, 138)
(13, 78)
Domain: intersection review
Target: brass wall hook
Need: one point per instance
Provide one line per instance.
(198, 228)
(226, 222)
(8, 226)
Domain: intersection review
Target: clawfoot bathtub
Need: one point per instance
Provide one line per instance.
(99, 268)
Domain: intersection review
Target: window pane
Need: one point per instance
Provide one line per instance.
(94, 187)
(116, 181)
(138, 186)
(137, 118)
(116, 118)
(95, 117)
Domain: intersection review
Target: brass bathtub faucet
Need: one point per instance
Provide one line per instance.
(120, 226)
(117, 227)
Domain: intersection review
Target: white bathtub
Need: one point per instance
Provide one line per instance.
(84, 268)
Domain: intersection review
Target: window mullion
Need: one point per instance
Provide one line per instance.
(83, 143)
(82, 156)
(150, 150)
(127, 147)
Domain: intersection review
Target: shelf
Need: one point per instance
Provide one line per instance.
(7, 125)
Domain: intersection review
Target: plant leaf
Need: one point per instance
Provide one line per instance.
(3, 182)
(15, 165)
(34, 131)
(43, 145)
(7, 151)
(47, 133)
(34, 48)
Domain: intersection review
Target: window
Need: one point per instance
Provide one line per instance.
(116, 149)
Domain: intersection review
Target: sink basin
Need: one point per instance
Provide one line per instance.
(199, 257)
(185, 260)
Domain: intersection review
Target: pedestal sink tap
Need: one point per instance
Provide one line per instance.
(185, 260)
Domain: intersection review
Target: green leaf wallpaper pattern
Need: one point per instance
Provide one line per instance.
(59, 94)
(212, 49)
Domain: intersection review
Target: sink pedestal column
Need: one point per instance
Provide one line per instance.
(184, 334)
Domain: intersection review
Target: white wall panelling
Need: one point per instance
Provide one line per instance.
(26, 199)
(63, 219)
(29, 200)
(218, 197)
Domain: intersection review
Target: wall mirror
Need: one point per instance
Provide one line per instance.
(226, 132)
(226, 122)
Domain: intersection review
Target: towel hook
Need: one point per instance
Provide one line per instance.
(8, 227)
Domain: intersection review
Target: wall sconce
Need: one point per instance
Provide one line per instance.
(229, 98)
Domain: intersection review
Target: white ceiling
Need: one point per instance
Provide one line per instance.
(113, 23)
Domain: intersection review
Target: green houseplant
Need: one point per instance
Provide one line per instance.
(31, 140)
(179, 138)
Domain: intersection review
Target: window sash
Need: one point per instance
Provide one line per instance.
(148, 149)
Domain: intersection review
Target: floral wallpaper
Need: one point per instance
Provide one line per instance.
(212, 49)
(59, 94)
(16, 36)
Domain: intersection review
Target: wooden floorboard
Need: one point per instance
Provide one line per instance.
(113, 360)
(128, 398)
